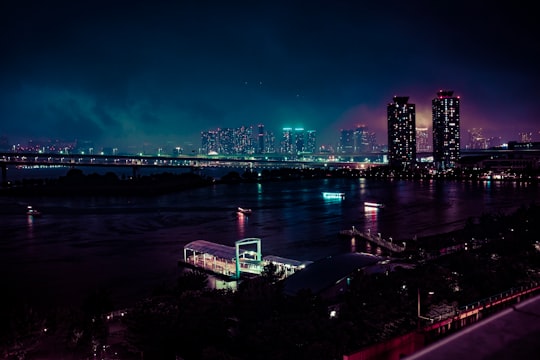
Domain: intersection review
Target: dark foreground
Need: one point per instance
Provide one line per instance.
(258, 321)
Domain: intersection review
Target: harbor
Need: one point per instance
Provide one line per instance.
(231, 262)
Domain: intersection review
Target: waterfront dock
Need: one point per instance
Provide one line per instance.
(376, 239)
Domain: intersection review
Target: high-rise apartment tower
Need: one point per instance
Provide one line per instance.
(446, 136)
(401, 133)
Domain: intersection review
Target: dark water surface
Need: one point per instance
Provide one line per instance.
(129, 245)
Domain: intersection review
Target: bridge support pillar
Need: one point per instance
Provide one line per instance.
(4, 174)
(135, 172)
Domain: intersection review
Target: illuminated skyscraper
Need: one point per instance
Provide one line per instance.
(422, 140)
(311, 142)
(363, 139)
(346, 141)
(286, 144)
(299, 140)
(401, 133)
(296, 141)
(356, 141)
(476, 139)
(243, 141)
(269, 142)
(446, 137)
(525, 137)
(260, 139)
(209, 142)
(265, 140)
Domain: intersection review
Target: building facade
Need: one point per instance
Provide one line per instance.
(229, 141)
(401, 133)
(356, 141)
(261, 148)
(422, 140)
(296, 141)
(311, 142)
(476, 139)
(446, 129)
(346, 141)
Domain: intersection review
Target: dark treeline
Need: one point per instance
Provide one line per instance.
(75, 182)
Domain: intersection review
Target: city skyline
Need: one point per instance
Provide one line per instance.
(156, 72)
(345, 142)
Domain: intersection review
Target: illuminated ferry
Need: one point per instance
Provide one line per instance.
(32, 212)
(333, 195)
(244, 211)
(373, 205)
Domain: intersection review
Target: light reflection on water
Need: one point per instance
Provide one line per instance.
(242, 221)
(370, 218)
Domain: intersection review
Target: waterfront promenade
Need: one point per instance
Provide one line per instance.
(458, 332)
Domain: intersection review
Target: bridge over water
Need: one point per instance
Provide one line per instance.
(194, 163)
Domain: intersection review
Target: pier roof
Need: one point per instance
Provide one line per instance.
(207, 247)
(285, 261)
(229, 252)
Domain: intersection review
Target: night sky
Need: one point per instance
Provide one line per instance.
(131, 72)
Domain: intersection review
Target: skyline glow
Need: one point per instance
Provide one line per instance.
(128, 72)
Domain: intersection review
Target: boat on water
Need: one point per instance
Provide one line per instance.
(373, 205)
(244, 211)
(32, 212)
(333, 195)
